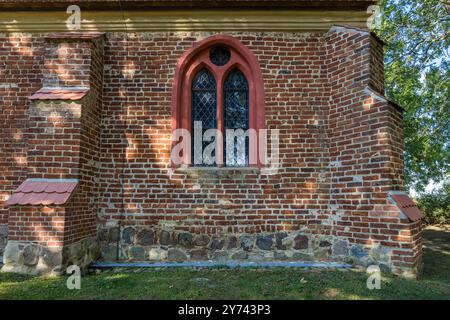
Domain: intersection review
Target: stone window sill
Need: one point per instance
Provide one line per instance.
(218, 170)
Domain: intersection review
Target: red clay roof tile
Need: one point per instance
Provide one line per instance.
(37, 198)
(43, 192)
(59, 94)
(407, 206)
(413, 213)
(24, 199)
(60, 198)
(403, 201)
(15, 197)
(29, 186)
(20, 188)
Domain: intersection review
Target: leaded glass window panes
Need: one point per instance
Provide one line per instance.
(204, 110)
(219, 55)
(236, 116)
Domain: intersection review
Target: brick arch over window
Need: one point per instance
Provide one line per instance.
(197, 58)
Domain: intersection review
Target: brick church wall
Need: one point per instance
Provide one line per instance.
(20, 74)
(340, 154)
(62, 143)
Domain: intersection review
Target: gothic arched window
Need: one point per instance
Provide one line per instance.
(218, 84)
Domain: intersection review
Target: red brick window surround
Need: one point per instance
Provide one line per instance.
(218, 59)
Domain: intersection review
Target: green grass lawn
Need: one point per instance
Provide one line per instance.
(244, 283)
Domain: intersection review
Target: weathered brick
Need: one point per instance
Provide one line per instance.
(341, 146)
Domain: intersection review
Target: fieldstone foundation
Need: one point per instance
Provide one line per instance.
(155, 244)
(31, 258)
(3, 237)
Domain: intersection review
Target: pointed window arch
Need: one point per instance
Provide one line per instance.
(218, 81)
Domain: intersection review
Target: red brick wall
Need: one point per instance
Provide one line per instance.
(82, 211)
(366, 139)
(340, 144)
(136, 139)
(60, 140)
(376, 64)
(67, 63)
(53, 139)
(43, 225)
(20, 75)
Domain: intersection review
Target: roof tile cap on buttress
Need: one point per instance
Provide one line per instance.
(407, 206)
(59, 93)
(43, 192)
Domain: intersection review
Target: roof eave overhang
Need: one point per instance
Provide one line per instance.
(192, 4)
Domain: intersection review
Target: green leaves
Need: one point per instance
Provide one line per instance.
(417, 68)
(436, 205)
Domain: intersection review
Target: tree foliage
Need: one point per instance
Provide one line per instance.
(436, 205)
(417, 66)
